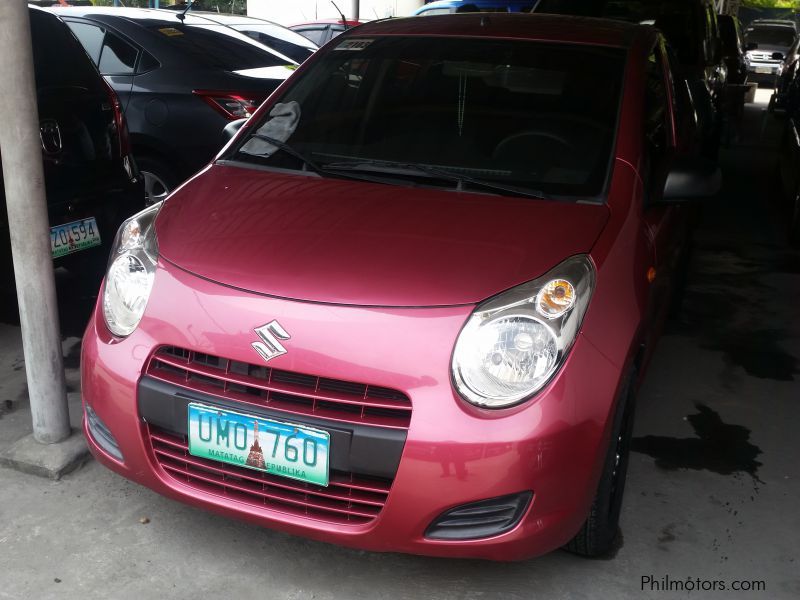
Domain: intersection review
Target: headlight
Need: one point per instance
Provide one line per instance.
(131, 270)
(513, 344)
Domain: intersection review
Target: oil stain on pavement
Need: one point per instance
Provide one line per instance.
(727, 303)
(719, 447)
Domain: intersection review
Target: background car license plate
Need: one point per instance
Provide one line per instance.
(763, 70)
(75, 236)
(275, 447)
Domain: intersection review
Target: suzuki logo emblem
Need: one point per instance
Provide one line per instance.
(269, 347)
(50, 136)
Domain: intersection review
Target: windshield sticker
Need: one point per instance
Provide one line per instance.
(354, 44)
(170, 31)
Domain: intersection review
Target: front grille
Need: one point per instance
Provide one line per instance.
(763, 56)
(286, 391)
(349, 499)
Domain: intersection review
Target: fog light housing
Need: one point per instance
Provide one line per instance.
(483, 519)
(101, 434)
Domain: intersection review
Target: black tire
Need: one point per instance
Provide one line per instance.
(159, 178)
(599, 533)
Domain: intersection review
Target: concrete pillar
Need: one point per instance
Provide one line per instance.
(30, 230)
(356, 8)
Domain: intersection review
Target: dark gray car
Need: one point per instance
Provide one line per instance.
(275, 36)
(180, 78)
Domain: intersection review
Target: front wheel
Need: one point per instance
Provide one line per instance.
(599, 533)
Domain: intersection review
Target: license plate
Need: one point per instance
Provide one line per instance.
(75, 236)
(763, 70)
(275, 447)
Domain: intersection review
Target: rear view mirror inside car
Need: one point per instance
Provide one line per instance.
(524, 80)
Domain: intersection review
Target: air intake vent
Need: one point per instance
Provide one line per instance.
(482, 519)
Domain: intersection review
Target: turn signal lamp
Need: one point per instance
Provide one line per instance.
(555, 298)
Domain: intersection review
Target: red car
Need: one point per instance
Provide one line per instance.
(321, 32)
(407, 306)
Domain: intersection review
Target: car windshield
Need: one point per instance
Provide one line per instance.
(521, 114)
(215, 46)
(775, 35)
(280, 39)
(678, 19)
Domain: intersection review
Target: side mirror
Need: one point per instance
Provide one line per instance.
(691, 178)
(232, 128)
(751, 46)
(777, 56)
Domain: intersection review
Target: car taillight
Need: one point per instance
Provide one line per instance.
(119, 123)
(231, 105)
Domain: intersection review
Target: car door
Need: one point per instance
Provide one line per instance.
(665, 224)
(115, 57)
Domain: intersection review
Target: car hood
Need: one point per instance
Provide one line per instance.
(350, 242)
(769, 49)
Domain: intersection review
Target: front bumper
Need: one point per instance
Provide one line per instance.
(453, 454)
(763, 68)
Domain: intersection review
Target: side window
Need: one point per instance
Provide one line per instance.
(147, 63)
(90, 37)
(315, 34)
(335, 30)
(118, 57)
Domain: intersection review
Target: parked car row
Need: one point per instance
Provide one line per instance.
(733, 49)
(113, 143)
(691, 29)
(789, 156)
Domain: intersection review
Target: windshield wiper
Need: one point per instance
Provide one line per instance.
(431, 171)
(309, 164)
(290, 151)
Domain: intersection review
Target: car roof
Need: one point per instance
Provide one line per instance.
(155, 17)
(556, 28)
(772, 23)
(777, 21)
(348, 22)
(455, 3)
(130, 14)
(225, 19)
